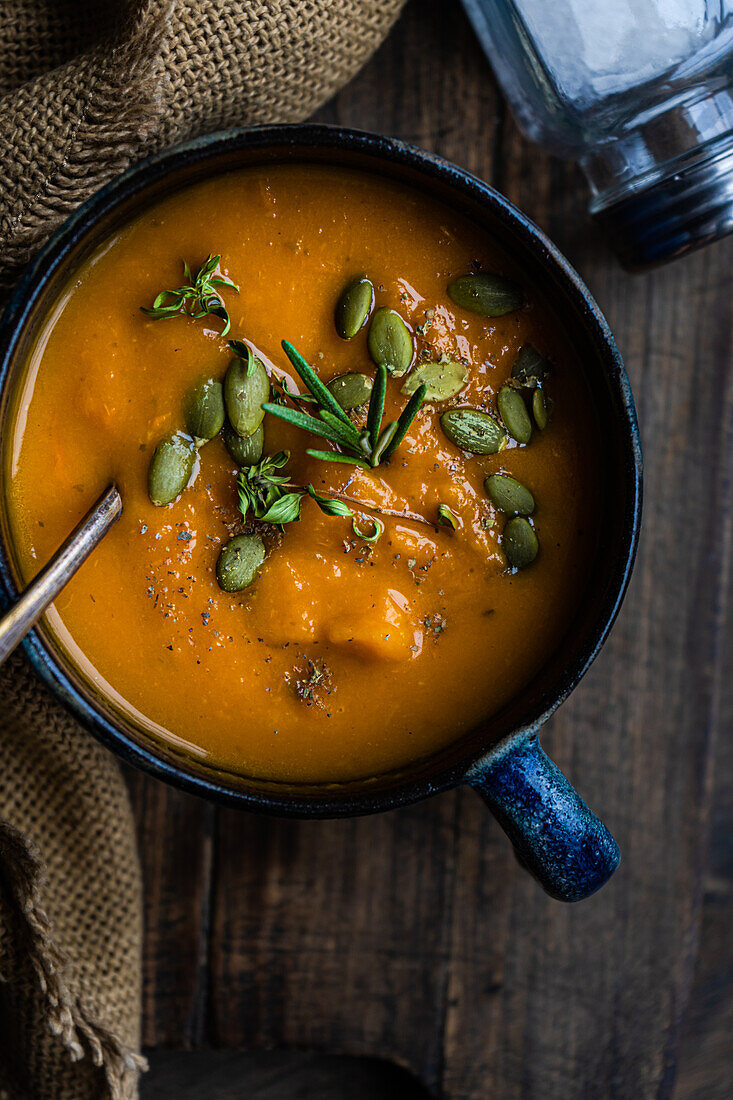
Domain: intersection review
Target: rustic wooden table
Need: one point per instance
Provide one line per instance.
(414, 936)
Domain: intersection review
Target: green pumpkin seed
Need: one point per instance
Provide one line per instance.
(541, 409)
(488, 294)
(245, 452)
(473, 431)
(171, 467)
(519, 543)
(443, 380)
(513, 412)
(239, 561)
(390, 342)
(509, 495)
(351, 390)
(246, 387)
(204, 410)
(354, 305)
(530, 368)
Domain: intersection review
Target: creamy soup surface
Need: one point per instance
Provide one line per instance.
(344, 658)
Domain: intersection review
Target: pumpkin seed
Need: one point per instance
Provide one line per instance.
(354, 305)
(530, 368)
(245, 452)
(486, 293)
(204, 410)
(541, 409)
(443, 380)
(239, 561)
(509, 495)
(390, 342)
(513, 412)
(246, 386)
(519, 543)
(171, 467)
(473, 431)
(351, 390)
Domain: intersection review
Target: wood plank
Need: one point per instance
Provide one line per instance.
(334, 935)
(427, 84)
(591, 997)
(414, 935)
(706, 1064)
(281, 1075)
(175, 834)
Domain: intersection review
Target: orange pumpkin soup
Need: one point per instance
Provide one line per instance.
(363, 641)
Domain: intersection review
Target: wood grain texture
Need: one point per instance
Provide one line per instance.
(285, 1075)
(414, 936)
(594, 994)
(176, 844)
(706, 1051)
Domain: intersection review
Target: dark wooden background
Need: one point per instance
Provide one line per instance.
(414, 936)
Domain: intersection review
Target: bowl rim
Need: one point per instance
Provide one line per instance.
(272, 796)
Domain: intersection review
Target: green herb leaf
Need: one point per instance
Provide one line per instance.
(198, 298)
(366, 447)
(278, 460)
(264, 492)
(240, 349)
(303, 420)
(376, 405)
(329, 506)
(281, 393)
(221, 280)
(285, 510)
(350, 435)
(321, 393)
(383, 442)
(407, 416)
(376, 533)
(245, 499)
(446, 518)
(260, 486)
(334, 456)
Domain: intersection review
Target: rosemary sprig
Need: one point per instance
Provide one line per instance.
(197, 298)
(323, 396)
(307, 422)
(376, 405)
(334, 456)
(367, 448)
(406, 418)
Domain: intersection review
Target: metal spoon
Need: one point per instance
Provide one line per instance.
(44, 588)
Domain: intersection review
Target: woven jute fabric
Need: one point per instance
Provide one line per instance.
(88, 87)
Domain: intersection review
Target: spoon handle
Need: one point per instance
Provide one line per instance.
(44, 588)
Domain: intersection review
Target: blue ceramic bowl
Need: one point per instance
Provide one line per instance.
(554, 833)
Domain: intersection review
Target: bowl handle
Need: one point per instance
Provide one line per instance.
(555, 836)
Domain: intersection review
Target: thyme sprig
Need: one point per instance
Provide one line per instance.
(366, 448)
(262, 485)
(198, 297)
(272, 498)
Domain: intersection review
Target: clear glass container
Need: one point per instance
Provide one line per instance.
(640, 93)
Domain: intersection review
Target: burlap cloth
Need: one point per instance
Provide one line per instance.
(86, 88)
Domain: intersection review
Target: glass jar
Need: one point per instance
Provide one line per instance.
(640, 93)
